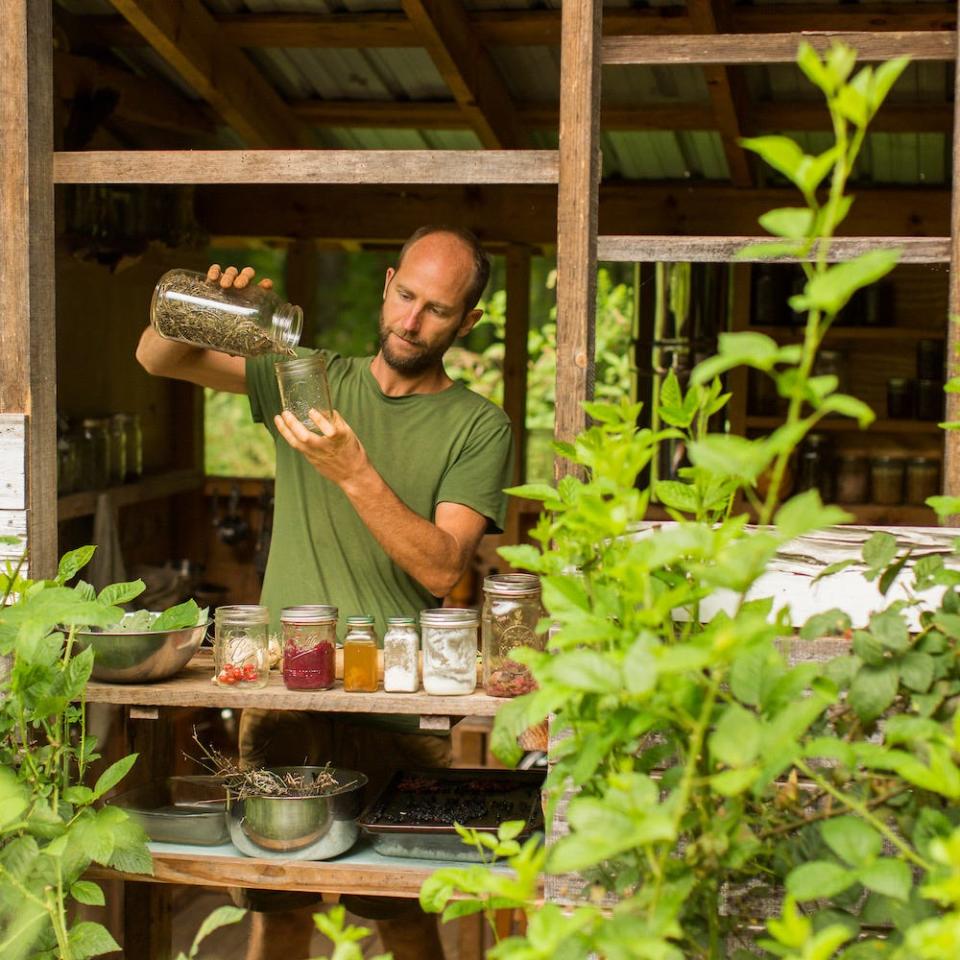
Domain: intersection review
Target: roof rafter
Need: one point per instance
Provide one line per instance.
(188, 38)
(468, 70)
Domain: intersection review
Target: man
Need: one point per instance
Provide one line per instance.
(380, 512)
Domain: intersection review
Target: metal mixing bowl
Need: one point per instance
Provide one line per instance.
(298, 828)
(140, 657)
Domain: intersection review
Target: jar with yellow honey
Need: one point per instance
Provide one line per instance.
(360, 656)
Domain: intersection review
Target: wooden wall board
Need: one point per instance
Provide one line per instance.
(951, 453)
(730, 48)
(307, 166)
(723, 249)
(13, 461)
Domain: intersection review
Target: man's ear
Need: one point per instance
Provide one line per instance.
(469, 322)
(391, 273)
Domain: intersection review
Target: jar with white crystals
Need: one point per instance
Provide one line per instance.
(401, 648)
(449, 650)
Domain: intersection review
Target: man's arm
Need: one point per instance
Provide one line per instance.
(181, 361)
(434, 554)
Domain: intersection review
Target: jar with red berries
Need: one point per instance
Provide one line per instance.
(511, 611)
(241, 656)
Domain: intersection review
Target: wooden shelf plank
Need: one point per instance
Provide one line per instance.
(653, 249)
(845, 425)
(307, 166)
(362, 870)
(192, 687)
(733, 48)
(84, 503)
(855, 334)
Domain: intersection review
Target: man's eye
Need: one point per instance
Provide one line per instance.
(404, 295)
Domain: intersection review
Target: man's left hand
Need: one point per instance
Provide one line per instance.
(335, 451)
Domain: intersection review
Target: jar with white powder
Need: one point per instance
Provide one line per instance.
(401, 648)
(449, 650)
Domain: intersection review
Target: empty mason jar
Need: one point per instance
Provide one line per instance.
(118, 449)
(129, 424)
(309, 646)
(511, 611)
(449, 637)
(241, 646)
(304, 386)
(245, 322)
(401, 654)
(94, 439)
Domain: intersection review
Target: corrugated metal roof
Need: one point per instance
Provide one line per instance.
(532, 74)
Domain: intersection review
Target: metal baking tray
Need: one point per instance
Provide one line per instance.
(179, 810)
(413, 815)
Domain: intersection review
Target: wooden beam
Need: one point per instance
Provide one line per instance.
(468, 71)
(732, 48)
(641, 249)
(577, 205)
(527, 28)
(728, 96)
(187, 37)
(767, 116)
(307, 166)
(28, 379)
(139, 100)
(951, 448)
(528, 214)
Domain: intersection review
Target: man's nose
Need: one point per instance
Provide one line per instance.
(411, 319)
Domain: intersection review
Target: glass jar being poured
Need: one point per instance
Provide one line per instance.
(246, 322)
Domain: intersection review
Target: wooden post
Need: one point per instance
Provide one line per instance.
(27, 324)
(951, 449)
(515, 352)
(578, 193)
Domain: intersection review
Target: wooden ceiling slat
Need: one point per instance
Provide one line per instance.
(189, 40)
(468, 71)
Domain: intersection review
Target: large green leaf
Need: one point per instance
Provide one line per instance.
(117, 594)
(88, 939)
(873, 690)
(14, 798)
(736, 739)
(113, 775)
(831, 290)
(794, 223)
(890, 877)
(851, 840)
(819, 879)
(73, 562)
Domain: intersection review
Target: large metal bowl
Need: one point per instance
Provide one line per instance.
(141, 657)
(298, 828)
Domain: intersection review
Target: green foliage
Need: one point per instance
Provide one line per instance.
(221, 917)
(345, 937)
(707, 769)
(50, 830)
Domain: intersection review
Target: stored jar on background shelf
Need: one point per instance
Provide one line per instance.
(886, 480)
(309, 646)
(511, 611)
(930, 400)
(360, 656)
(241, 656)
(68, 463)
(815, 467)
(853, 478)
(247, 322)
(901, 398)
(94, 437)
(401, 656)
(930, 359)
(449, 636)
(118, 450)
(923, 479)
(129, 424)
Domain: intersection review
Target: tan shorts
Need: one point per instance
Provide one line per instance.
(293, 737)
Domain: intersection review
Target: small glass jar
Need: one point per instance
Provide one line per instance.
(129, 425)
(304, 386)
(930, 400)
(853, 478)
(241, 656)
(360, 656)
(930, 359)
(401, 655)
(923, 479)
(118, 450)
(886, 480)
(449, 650)
(94, 439)
(815, 469)
(511, 611)
(901, 398)
(309, 647)
(68, 464)
(247, 322)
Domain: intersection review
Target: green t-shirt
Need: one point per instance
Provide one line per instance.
(453, 446)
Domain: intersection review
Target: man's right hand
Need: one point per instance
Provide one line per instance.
(231, 277)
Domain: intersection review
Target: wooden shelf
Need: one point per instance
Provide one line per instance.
(846, 425)
(192, 687)
(361, 871)
(856, 334)
(84, 503)
(881, 514)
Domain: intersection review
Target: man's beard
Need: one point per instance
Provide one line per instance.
(428, 358)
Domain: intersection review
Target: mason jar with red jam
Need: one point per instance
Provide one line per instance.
(309, 646)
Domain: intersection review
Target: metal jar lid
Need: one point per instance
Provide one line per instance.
(309, 613)
(242, 613)
(450, 617)
(361, 620)
(512, 585)
(401, 622)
